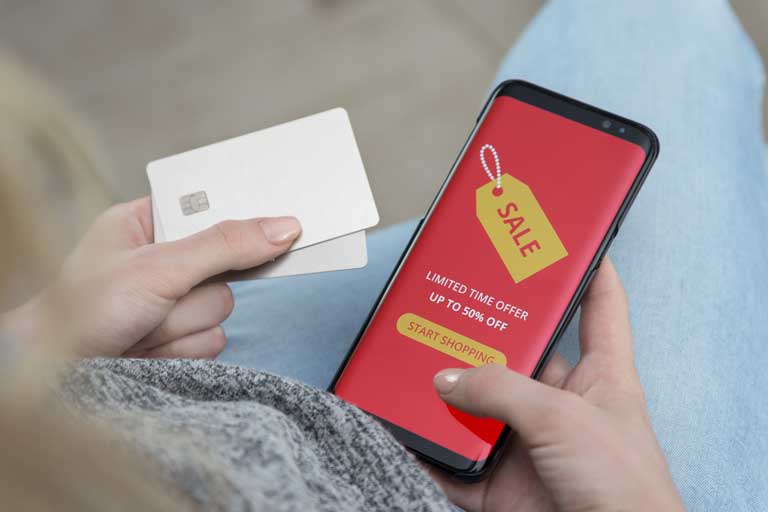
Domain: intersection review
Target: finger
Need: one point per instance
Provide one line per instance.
(229, 245)
(604, 329)
(200, 345)
(556, 371)
(203, 307)
(468, 497)
(494, 391)
(132, 221)
(142, 210)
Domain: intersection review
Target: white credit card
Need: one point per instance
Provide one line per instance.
(329, 192)
(309, 168)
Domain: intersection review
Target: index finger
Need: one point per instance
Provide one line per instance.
(604, 328)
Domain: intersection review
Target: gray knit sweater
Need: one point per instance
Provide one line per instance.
(238, 439)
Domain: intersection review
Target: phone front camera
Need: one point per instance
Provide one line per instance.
(606, 124)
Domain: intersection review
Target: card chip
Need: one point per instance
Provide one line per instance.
(195, 202)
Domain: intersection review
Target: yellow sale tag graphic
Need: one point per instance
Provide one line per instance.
(516, 224)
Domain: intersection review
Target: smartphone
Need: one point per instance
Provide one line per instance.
(497, 268)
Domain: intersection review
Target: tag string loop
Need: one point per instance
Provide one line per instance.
(485, 164)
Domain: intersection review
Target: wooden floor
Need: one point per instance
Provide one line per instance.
(155, 78)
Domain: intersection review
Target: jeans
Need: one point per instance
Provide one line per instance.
(691, 253)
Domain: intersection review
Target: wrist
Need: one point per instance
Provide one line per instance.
(668, 498)
(672, 501)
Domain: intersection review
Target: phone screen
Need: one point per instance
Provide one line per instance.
(494, 268)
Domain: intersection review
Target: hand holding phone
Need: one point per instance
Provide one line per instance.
(584, 439)
(498, 267)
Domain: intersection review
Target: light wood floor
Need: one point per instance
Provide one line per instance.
(155, 78)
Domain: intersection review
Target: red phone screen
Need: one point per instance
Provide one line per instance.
(493, 271)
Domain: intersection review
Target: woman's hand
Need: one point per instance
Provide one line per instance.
(123, 295)
(583, 439)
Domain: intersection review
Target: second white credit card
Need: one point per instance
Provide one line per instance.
(309, 168)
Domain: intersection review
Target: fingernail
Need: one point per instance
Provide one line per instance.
(446, 380)
(280, 230)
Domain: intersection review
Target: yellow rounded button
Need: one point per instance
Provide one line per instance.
(447, 341)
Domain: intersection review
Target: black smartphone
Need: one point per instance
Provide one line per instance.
(497, 268)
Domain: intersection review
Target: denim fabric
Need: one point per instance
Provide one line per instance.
(691, 253)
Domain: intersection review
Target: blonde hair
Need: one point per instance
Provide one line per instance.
(50, 189)
(46, 175)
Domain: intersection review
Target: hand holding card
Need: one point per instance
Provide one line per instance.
(309, 168)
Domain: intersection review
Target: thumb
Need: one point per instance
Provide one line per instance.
(229, 245)
(494, 391)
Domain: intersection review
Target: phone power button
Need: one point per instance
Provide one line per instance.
(613, 236)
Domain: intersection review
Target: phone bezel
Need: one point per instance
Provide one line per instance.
(457, 465)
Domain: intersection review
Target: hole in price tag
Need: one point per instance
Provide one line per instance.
(516, 224)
